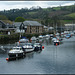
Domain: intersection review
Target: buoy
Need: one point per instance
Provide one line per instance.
(56, 44)
(42, 47)
(7, 59)
(19, 41)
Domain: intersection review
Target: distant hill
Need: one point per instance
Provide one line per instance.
(65, 13)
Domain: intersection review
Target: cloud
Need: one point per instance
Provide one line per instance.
(22, 4)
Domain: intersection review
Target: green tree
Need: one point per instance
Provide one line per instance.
(3, 17)
(19, 19)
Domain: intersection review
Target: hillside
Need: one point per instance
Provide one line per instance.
(72, 15)
(44, 15)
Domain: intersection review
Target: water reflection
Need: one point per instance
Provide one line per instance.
(29, 55)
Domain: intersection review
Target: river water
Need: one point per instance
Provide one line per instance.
(52, 60)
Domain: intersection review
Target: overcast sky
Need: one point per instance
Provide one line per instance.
(7, 5)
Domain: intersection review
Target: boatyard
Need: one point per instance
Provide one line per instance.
(53, 59)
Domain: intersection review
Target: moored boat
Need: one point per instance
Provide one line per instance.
(28, 47)
(16, 52)
(23, 40)
(38, 46)
(56, 42)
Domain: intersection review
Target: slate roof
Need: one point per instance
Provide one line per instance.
(32, 23)
(17, 24)
(69, 24)
(2, 24)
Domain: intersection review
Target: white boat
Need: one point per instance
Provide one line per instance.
(65, 33)
(47, 37)
(40, 37)
(33, 39)
(37, 47)
(53, 39)
(23, 40)
(72, 33)
(16, 52)
(62, 34)
(56, 42)
(57, 34)
(51, 35)
(28, 47)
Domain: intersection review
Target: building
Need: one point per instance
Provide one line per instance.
(69, 26)
(5, 28)
(46, 29)
(29, 27)
(17, 25)
(2, 24)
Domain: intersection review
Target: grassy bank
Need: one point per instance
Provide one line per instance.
(15, 37)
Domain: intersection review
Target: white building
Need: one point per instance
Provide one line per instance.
(69, 26)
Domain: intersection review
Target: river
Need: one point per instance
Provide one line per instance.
(52, 60)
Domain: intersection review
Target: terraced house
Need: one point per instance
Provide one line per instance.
(30, 27)
(5, 27)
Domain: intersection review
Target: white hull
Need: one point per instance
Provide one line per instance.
(29, 50)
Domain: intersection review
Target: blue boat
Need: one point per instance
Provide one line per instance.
(68, 36)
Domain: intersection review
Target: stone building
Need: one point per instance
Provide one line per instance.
(70, 27)
(29, 27)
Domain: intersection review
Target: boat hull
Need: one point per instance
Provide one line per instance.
(16, 55)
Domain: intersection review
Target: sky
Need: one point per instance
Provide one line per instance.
(7, 5)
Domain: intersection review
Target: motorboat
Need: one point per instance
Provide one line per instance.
(47, 37)
(51, 35)
(16, 52)
(68, 36)
(40, 37)
(23, 40)
(56, 42)
(62, 34)
(53, 39)
(33, 38)
(65, 33)
(37, 47)
(28, 47)
(72, 33)
(57, 34)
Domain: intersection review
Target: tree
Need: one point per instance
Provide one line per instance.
(19, 19)
(3, 17)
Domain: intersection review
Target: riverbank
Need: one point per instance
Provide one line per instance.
(5, 39)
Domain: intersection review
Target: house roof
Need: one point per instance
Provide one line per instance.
(45, 27)
(2, 24)
(32, 23)
(69, 24)
(17, 24)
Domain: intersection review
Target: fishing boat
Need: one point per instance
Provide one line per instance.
(28, 47)
(16, 52)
